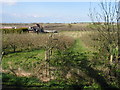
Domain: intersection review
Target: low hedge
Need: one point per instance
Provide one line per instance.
(18, 30)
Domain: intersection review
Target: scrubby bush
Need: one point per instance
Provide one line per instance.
(20, 42)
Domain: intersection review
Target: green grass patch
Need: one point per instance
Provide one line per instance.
(78, 46)
(34, 83)
(22, 58)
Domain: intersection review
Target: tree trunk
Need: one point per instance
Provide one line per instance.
(14, 48)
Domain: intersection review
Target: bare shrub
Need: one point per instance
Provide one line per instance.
(19, 42)
(60, 42)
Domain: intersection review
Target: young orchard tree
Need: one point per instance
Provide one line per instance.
(54, 44)
(118, 25)
(105, 22)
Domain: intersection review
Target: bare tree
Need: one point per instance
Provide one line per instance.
(118, 25)
(106, 23)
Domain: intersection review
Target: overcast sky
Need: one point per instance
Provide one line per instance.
(46, 12)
